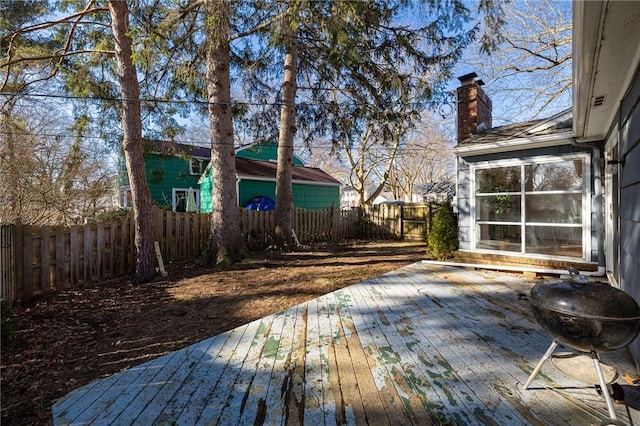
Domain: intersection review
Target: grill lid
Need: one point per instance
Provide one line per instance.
(585, 300)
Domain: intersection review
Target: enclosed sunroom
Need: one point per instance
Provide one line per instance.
(525, 190)
(538, 205)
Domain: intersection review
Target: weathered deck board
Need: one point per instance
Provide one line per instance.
(199, 387)
(373, 374)
(314, 396)
(421, 401)
(451, 367)
(464, 350)
(421, 345)
(507, 376)
(432, 362)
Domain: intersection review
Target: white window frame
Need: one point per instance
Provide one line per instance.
(201, 161)
(186, 191)
(125, 197)
(586, 203)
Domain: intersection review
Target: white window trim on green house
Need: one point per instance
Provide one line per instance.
(125, 200)
(518, 223)
(197, 165)
(177, 194)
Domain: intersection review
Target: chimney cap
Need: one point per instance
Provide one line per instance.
(467, 77)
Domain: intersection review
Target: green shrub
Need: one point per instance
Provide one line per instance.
(443, 235)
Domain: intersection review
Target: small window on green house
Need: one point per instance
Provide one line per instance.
(196, 166)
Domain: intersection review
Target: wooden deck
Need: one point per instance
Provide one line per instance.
(421, 345)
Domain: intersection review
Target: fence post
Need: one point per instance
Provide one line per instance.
(74, 257)
(45, 259)
(7, 263)
(27, 261)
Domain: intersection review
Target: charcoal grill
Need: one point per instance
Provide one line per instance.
(586, 316)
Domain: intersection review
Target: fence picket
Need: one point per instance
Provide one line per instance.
(45, 260)
(112, 249)
(122, 254)
(27, 257)
(74, 257)
(60, 256)
(86, 258)
(7, 262)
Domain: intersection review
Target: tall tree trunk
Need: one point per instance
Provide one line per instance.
(226, 244)
(284, 189)
(8, 162)
(132, 143)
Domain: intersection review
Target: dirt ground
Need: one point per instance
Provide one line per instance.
(70, 339)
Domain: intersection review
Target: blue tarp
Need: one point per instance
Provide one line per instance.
(261, 203)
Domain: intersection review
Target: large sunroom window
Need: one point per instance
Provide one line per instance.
(532, 207)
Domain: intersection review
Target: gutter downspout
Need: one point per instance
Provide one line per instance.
(597, 179)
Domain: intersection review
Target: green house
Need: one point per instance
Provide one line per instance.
(172, 170)
(256, 168)
(175, 171)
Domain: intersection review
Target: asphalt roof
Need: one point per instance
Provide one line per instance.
(245, 167)
(267, 169)
(560, 123)
(176, 148)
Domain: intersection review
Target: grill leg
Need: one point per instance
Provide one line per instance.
(545, 357)
(603, 385)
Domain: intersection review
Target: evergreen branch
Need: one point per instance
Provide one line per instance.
(66, 19)
(180, 16)
(260, 27)
(75, 18)
(56, 56)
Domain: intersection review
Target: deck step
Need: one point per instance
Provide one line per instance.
(507, 260)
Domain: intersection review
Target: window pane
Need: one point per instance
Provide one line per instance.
(181, 201)
(563, 175)
(554, 240)
(554, 208)
(499, 179)
(498, 208)
(498, 237)
(196, 166)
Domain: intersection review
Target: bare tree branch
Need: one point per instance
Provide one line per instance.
(530, 71)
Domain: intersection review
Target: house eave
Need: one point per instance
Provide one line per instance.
(514, 144)
(299, 181)
(604, 50)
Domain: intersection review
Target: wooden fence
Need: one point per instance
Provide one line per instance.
(309, 226)
(409, 221)
(37, 260)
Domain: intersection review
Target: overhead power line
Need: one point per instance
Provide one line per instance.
(200, 143)
(203, 103)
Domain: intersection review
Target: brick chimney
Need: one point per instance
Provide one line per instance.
(474, 107)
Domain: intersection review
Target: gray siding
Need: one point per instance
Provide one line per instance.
(629, 148)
